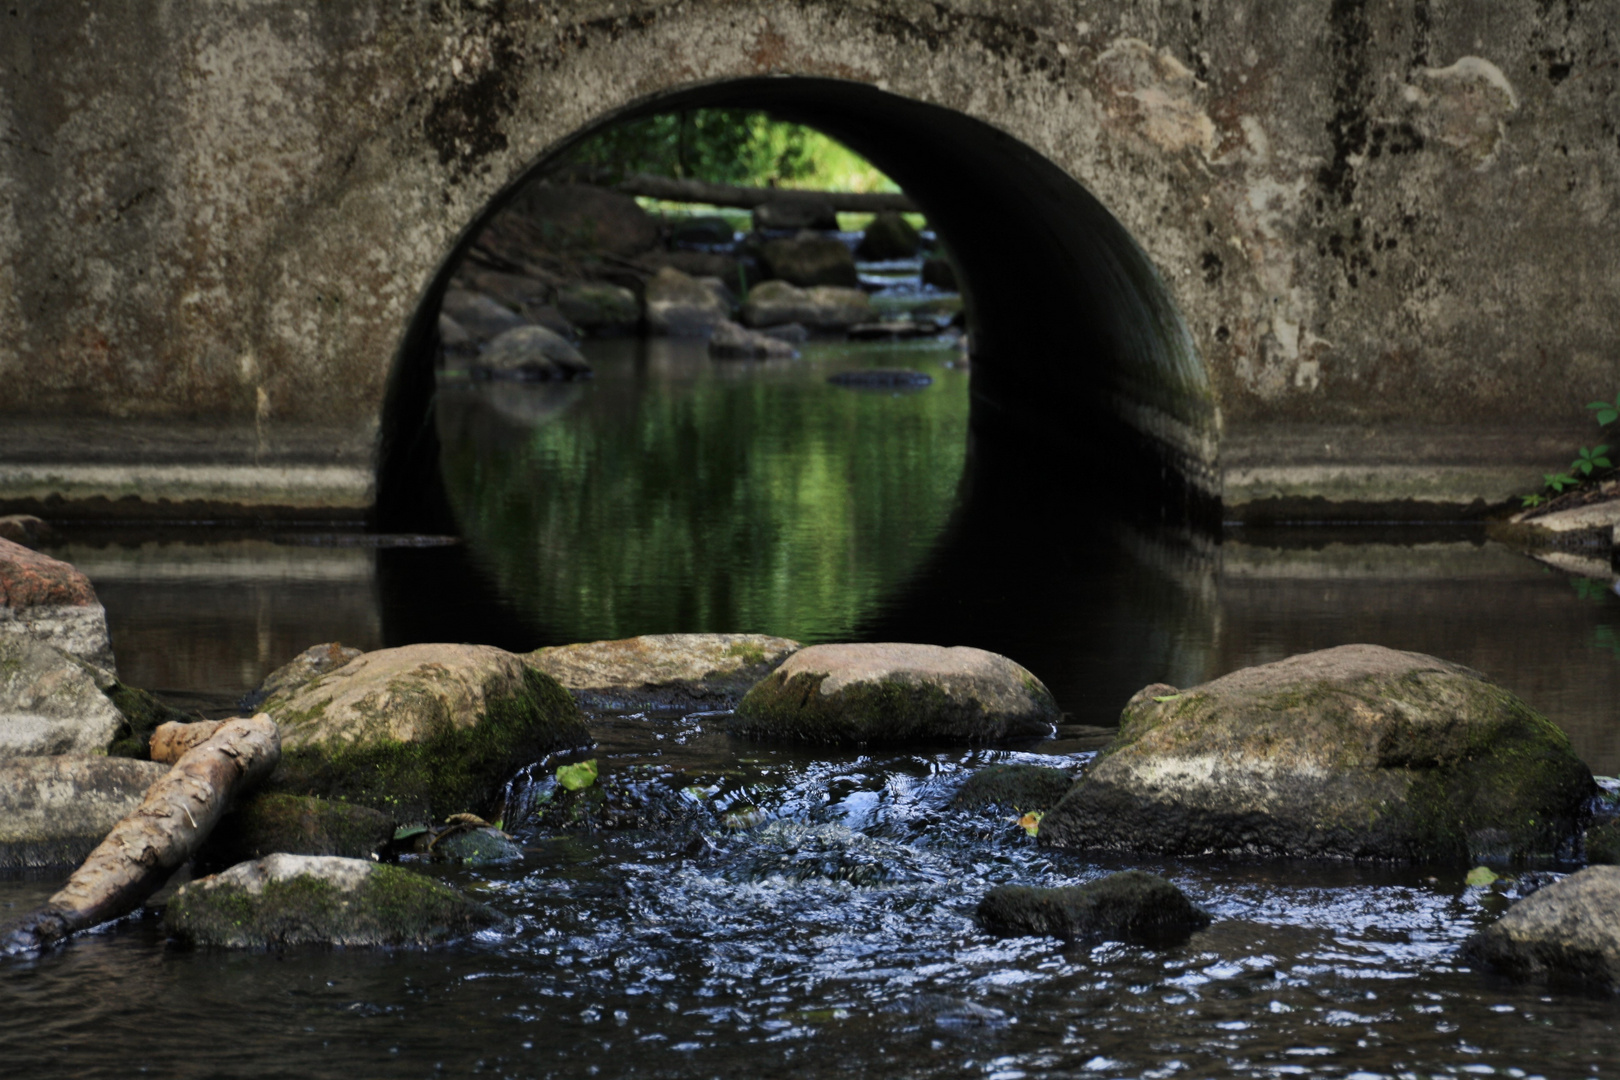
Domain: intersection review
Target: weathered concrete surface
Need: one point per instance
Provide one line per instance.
(1371, 217)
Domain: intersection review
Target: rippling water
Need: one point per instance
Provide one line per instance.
(833, 937)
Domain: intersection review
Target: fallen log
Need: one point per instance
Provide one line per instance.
(700, 191)
(171, 741)
(147, 846)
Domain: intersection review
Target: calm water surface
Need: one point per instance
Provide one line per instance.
(834, 936)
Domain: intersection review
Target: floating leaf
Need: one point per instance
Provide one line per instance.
(1031, 822)
(577, 777)
(1480, 876)
(405, 832)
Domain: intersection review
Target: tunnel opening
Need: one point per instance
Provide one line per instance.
(1078, 349)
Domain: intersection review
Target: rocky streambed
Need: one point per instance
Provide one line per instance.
(669, 858)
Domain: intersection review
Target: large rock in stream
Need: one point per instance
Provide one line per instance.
(1354, 752)
(55, 810)
(682, 306)
(664, 670)
(422, 731)
(860, 695)
(52, 703)
(52, 601)
(1567, 932)
(285, 900)
(825, 307)
(810, 260)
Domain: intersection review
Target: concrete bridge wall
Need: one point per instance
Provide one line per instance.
(1389, 228)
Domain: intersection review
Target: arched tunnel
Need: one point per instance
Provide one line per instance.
(1078, 347)
(1087, 407)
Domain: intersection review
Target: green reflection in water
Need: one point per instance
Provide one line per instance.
(677, 493)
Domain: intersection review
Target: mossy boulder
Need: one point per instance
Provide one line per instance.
(422, 731)
(1132, 906)
(287, 900)
(267, 823)
(891, 693)
(890, 236)
(823, 307)
(667, 670)
(1354, 752)
(1013, 787)
(143, 712)
(55, 810)
(312, 663)
(1567, 932)
(1603, 843)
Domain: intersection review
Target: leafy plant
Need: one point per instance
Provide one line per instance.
(577, 777)
(1559, 481)
(1607, 412)
(1588, 460)
(1533, 500)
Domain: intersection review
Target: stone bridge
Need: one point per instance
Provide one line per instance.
(1361, 251)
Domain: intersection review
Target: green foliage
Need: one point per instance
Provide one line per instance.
(1607, 412)
(577, 777)
(1532, 500)
(1589, 460)
(1559, 481)
(728, 146)
(1480, 876)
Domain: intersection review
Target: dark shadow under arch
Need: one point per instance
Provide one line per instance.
(1078, 348)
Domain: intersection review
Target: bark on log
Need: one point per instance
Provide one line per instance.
(699, 191)
(171, 741)
(145, 848)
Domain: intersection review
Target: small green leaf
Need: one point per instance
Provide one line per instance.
(577, 777)
(405, 832)
(1532, 500)
(1162, 698)
(1479, 877)
(1608, 416)
(1031, 822)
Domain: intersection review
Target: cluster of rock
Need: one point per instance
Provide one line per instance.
(1358, 752)
(569, 260)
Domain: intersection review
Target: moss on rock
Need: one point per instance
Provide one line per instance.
(1132, 906)
(143, 714)
(288, 900)
(271, 822)
(1013, 787)
(1603, 843)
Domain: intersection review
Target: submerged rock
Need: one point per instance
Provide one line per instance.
(678, 670)
(809, 260)
(890, 236)
(733, 342)
(682, 306)
(53, 602)
(1013, 787)
(423, 731)
(270, 822)
(1566, 932)
(858, 695)
(52, 703)
(795, 852)
(284, 900)
(530, 352)
(1132, 906)
(314, 661)
(826, 307)
(1353, 752)
(55, 810)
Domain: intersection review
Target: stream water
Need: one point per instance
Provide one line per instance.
(810, 913)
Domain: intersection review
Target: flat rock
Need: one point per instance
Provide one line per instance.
(731, 341)
(51, 703)
(268, 823)
(55, 810)
(712, 670)
(52, 601)
(1013, 787)
(825, 307)
(284, 900)
(858, 695)
(480, 317)
(423, 731)
(678, 305)
(1132, 906)
(1354, 752)
(1567, 932)
(599, 307)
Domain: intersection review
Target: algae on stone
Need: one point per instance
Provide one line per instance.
(285, 900)
(1013, 787)
(1357, 752)
(269, 822)
(423, 731)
